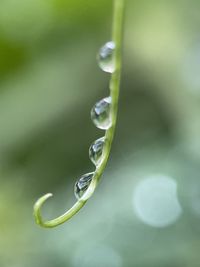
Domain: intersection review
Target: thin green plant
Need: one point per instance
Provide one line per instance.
(118, 8)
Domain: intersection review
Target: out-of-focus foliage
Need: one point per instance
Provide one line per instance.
(146, 211)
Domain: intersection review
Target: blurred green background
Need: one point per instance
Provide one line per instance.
(146, 210)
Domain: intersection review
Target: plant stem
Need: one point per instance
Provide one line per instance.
(114, 93)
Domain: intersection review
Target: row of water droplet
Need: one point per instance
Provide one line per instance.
(101, 117)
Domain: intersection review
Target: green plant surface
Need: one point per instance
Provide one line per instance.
(114, 93)
(49, 80)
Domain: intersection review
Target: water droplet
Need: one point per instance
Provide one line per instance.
(100, 114)
(96, 151)
(105, 57)
(82, 184)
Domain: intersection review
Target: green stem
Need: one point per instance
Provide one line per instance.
(114, 93)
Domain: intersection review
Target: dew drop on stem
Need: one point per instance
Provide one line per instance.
(82, 184)
(105, 57)
(96, 151)
(100, 114)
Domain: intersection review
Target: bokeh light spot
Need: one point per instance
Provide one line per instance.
(155, 201)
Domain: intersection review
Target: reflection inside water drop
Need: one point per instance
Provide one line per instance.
(96, 151)
(105, 57)
(100, 114)
(82, 184)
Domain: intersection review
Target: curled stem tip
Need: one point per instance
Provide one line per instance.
(59, 220)
(37, 208)
(114, 94)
